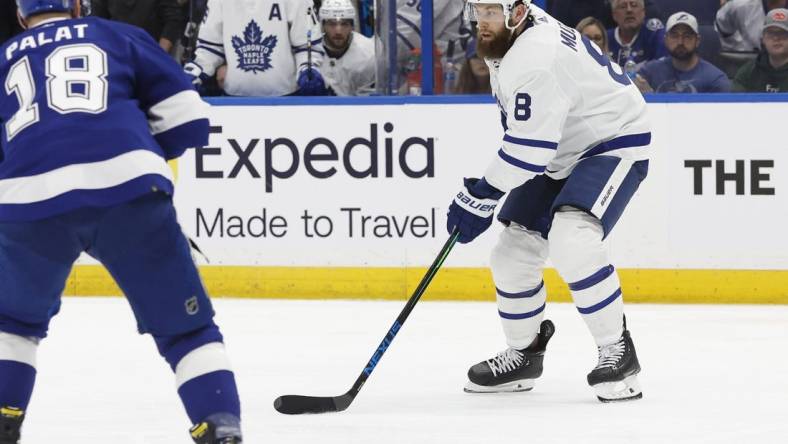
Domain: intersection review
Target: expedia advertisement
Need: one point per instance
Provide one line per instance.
(357, 185)
(333, 186)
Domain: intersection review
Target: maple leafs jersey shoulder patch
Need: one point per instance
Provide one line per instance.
(254, 51)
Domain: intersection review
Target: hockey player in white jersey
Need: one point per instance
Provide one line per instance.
(270, 47)
(349, 68)
(574, 151)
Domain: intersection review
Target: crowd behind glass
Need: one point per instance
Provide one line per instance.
(663, 45)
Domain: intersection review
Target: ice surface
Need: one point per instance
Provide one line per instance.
(711, 374)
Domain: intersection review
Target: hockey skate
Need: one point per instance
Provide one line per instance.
(511, 370)
(10, 424)
(615, 376)
(217, 429)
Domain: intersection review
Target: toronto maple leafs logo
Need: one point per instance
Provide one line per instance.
(254, 51)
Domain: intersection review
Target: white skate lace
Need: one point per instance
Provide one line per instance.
(505, 361)
(609, 355)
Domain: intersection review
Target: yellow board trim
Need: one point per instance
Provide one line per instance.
(456, 284)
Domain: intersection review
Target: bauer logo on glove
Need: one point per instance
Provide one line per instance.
(471, 212)
(482, 207)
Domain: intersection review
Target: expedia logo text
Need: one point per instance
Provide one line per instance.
(358, 157)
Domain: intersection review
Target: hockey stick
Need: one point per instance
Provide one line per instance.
(309, 54)
(297, 404)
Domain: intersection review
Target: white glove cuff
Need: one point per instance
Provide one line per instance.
(480, 207)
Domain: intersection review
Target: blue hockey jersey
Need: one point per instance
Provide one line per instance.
(91, 110)
(649, 44)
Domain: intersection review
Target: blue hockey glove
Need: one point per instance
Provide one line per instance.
(310, 83)
(471, 212)
(197, 77)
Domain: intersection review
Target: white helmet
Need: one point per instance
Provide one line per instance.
(337, 10)
(506, 5)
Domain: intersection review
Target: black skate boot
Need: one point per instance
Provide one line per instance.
(615, 376)
(10, 424)
(511, 370)
(221, 428)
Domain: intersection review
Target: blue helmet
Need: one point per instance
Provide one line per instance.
(32, 7)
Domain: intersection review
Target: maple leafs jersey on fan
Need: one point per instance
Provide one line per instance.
(561, 101)
(353, 73)
(101, 77)
(263, 42)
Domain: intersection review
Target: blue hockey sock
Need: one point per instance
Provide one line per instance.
(210, 393)
(16, 383)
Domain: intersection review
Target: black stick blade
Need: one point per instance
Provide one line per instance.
(297, 404)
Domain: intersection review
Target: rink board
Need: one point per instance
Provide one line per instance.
(302, 200)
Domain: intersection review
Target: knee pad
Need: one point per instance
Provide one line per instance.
(517, 259)
(576, 246)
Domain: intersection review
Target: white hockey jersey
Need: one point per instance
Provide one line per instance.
(263, 42)
(353, 73)
(447, 25)
(561, 101)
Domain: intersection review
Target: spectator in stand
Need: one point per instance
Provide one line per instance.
(769, 72)
(449, 29)
(684, 71)
(740, 23)
(9, 25)
(594, 30)
(474, 75)
(570, 12)
(164, 20)
(635, 39)
(350, 65)
(269, 48)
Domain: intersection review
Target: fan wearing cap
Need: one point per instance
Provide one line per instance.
(350, 68)
(769, 71)
(683, 71)
(740, 23)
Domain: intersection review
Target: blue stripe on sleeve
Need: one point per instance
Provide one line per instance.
(596, 307)
(211, 50)
(519, 163)
(530, 142)
(207, 42)
(527, 315)
(629, 141)
(592, 280)
(524, 294)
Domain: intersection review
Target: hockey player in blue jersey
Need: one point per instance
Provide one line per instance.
(90, 113)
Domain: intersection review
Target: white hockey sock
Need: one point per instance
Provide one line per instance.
(581, 258)
(201, 361)
(18, 348)
(517, 261)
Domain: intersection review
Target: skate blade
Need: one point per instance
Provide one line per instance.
(627, 389)
(523, 385)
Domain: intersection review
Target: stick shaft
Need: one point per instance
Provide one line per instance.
(395, 327)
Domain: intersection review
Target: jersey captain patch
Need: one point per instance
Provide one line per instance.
(254, 51)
